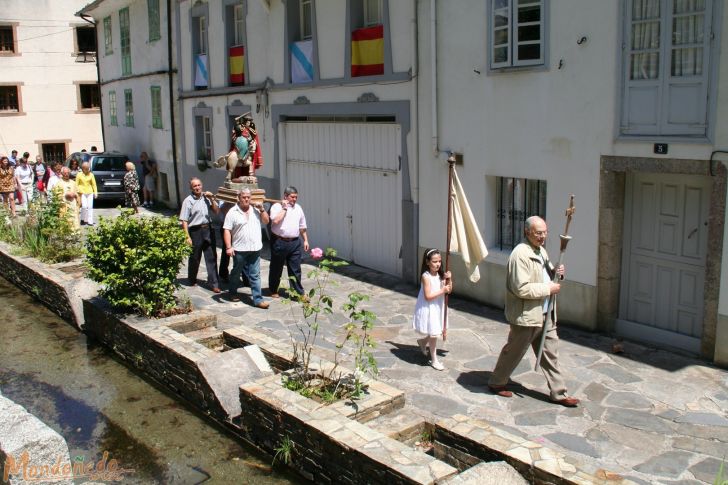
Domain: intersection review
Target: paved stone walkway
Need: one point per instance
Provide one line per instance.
(651, 415)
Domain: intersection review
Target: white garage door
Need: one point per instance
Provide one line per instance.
(348, 178)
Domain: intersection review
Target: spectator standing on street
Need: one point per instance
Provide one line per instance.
(13, 158)
(8, 184)
(66, 189)
(197, 224)
(73, 166)
(243, 242)
(53, 177)
(131, 187)
(24, 173)
(40, 171)
(150, 179)
(288, 227)
(87, 191)
(429, 317)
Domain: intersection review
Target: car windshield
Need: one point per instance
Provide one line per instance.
(101, 164)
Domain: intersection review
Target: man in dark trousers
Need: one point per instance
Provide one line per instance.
(289, 238)
(197, 224)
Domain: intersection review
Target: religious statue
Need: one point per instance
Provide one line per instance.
(245, 155)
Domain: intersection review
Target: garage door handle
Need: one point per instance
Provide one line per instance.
(692, 233)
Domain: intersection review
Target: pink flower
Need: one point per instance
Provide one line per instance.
(317, 253)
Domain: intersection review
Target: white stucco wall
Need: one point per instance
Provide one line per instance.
(265, 59)
(149, 64)
(548, 123)
(49, 75)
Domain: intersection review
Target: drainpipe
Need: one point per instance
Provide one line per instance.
(433, 60)
(170, 79)
(98, 77)
(415, 176)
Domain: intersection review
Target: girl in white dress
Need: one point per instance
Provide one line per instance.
(430, 308)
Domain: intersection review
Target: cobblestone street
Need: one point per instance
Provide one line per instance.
(650, 415)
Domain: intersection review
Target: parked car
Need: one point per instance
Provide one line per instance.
(108, 168)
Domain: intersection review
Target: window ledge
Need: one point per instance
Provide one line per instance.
(700, 139)
(10, 54)
(517, 69)
(84, 111)
(12, 113)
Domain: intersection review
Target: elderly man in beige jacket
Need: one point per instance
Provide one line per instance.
(528, 290)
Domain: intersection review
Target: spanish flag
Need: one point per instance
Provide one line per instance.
(237, 65)
(367, 51)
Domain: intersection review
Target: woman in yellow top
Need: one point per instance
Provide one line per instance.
(86, 189)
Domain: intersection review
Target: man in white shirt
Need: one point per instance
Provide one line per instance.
(243, 242)
(289, 227)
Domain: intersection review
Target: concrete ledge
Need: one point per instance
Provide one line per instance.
(478, 440)
(328, 447)
(61, 291)
(30, 450)
(178, 363)
(380, 398)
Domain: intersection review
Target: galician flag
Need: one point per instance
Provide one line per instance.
(302, 61)
(237, 64)
(367, 51)
(465, 237)
(201, 70)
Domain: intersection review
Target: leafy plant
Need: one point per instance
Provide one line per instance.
(314, 305)
(136, 260)
(47, 232)
(721, 479)
(284, 451)
(358, 332)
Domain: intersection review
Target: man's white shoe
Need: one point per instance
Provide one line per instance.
(437, 365)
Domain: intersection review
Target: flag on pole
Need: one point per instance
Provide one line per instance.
(237, 65)
(201, 70)
(367, 51)
(302, 61)
(465, 238)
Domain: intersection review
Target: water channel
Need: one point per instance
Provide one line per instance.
(99, 405)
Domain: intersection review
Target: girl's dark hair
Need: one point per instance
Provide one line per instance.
(426, 257)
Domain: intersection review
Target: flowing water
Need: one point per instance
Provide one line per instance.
(98, 405)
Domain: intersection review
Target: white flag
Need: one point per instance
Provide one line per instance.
(465, 238)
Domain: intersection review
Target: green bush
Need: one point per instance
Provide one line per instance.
(136, 260)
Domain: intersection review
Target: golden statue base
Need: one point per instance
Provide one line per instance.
(229, 192)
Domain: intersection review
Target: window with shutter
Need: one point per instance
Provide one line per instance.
(666, 63)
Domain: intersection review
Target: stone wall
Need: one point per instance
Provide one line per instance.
(327, 447)
(61, 291)
(172, 359)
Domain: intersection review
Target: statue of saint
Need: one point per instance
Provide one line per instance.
(245, 155)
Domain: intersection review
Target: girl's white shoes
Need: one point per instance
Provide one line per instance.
(437, 365)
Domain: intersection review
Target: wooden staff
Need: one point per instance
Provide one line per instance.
(451, 169)
(565, 238)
